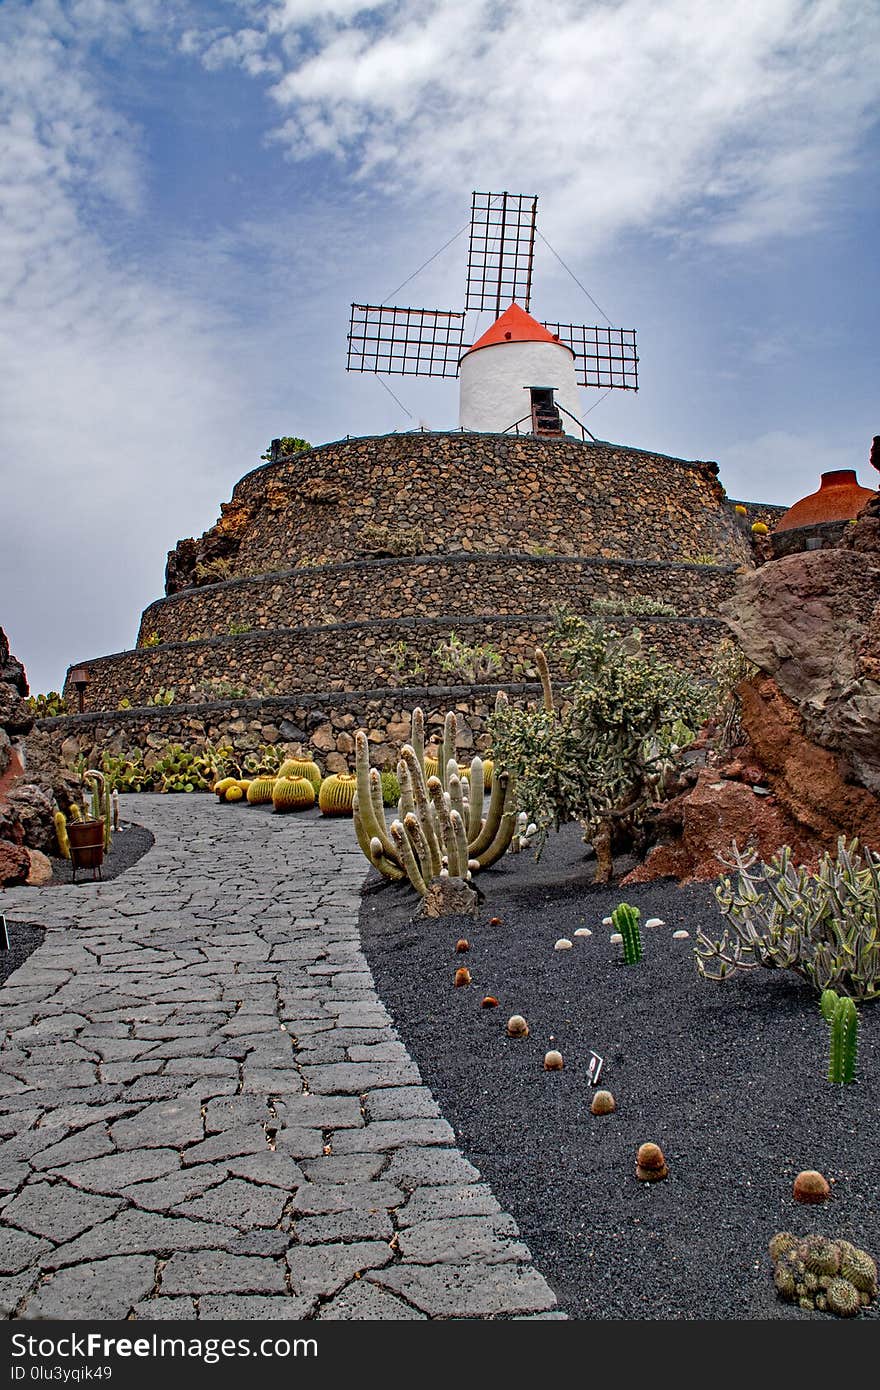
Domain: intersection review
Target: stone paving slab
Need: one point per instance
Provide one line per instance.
(205, 1111)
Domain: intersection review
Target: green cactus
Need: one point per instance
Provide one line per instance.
(861, 1271)
(626, 921)
(390, 788)
(820, 1255)
(828, 1004)
(291, 793)
(100, 802)
(843, 1298)
(259, 793)
(336, 794)
(844, 1041)
(302, 767)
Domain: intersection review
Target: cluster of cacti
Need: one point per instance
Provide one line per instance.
(390, 788)
(831, 1276)
(824, 924)
(842, 1018)
(440, 827)
(292, 793)
(625, 919)
(336, 794)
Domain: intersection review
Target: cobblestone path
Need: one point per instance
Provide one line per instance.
(205, 1111)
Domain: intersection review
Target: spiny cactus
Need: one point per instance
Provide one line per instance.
(292, 794)
(233, 793)
(336, 794)
(259, 793)
(819, 1272)
(440, 823)
(842, 1018)
(101, 808)
(222, 787)
(823, 924)
(61, 834)
(301, 767)
(626, 921)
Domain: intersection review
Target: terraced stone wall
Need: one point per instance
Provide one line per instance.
(471, 493)
(322, 724)
(498, 585)
(352, 656)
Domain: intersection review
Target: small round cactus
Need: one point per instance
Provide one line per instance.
(494, 921)
(553, 1060)
(810, 1187)
(843, 1298)
(820, 1255)
(462, 977)
(489, 1002)
(650, 1163)
(858, 1267)
(603, 1103)
(760, 529)
(233, 793)
(784, 1280)
(517, 1027)
(740, 509)
(222, 787)
(462, 944)
(780, 1243)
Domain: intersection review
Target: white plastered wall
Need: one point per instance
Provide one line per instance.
(492, 379)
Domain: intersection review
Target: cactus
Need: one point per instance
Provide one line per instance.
(292, 793)
(440, 819)
(336, 794)
(259, 793)
(844, 1037)
(100, 802)
(828, 1004)
(75, 812)
(390, 788)
(222, 787)
(61, 834)
(626, 921)
(824, 924)
(861, 1271)
(233, 793)
(301, 767)
(820, 1272)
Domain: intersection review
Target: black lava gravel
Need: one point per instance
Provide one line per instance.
(24, 938)
(129, 844)
(729, 1079)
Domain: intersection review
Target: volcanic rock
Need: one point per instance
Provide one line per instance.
(15, 864)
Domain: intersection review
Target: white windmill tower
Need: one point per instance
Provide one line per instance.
(521, 374)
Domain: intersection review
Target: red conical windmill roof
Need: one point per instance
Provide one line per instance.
(516, 326)
(840, 498)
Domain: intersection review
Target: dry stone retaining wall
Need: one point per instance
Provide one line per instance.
(352, 656)
(322, 724)
(496, 585)
(470, 492)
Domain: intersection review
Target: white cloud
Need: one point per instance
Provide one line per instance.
(727, 122)
(112, 383)
(782, 465)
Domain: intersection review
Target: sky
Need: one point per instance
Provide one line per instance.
(193, 192)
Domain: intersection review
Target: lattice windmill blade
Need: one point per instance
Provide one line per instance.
(501, 250)
(604, 357)
(408, 342)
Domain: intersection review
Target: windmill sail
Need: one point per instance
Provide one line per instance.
(604, 357)
(409, 342)
(500, 251)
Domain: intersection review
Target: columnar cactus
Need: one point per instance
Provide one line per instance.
(61, 834)
(440, 826)
(842, 1018)
(626, 920)
(100, 802)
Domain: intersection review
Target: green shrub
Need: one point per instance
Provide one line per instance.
(608, 754)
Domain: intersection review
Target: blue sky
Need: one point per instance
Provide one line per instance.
(192, 192)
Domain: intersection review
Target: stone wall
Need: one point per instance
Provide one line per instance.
(468, 492)
(430, 587)
(352, 656)
(322, 724)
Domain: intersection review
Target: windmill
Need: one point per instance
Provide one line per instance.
(517, 354)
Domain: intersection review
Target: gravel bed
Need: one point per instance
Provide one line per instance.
(129, 844)
(24, 938)
(729, 1079)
